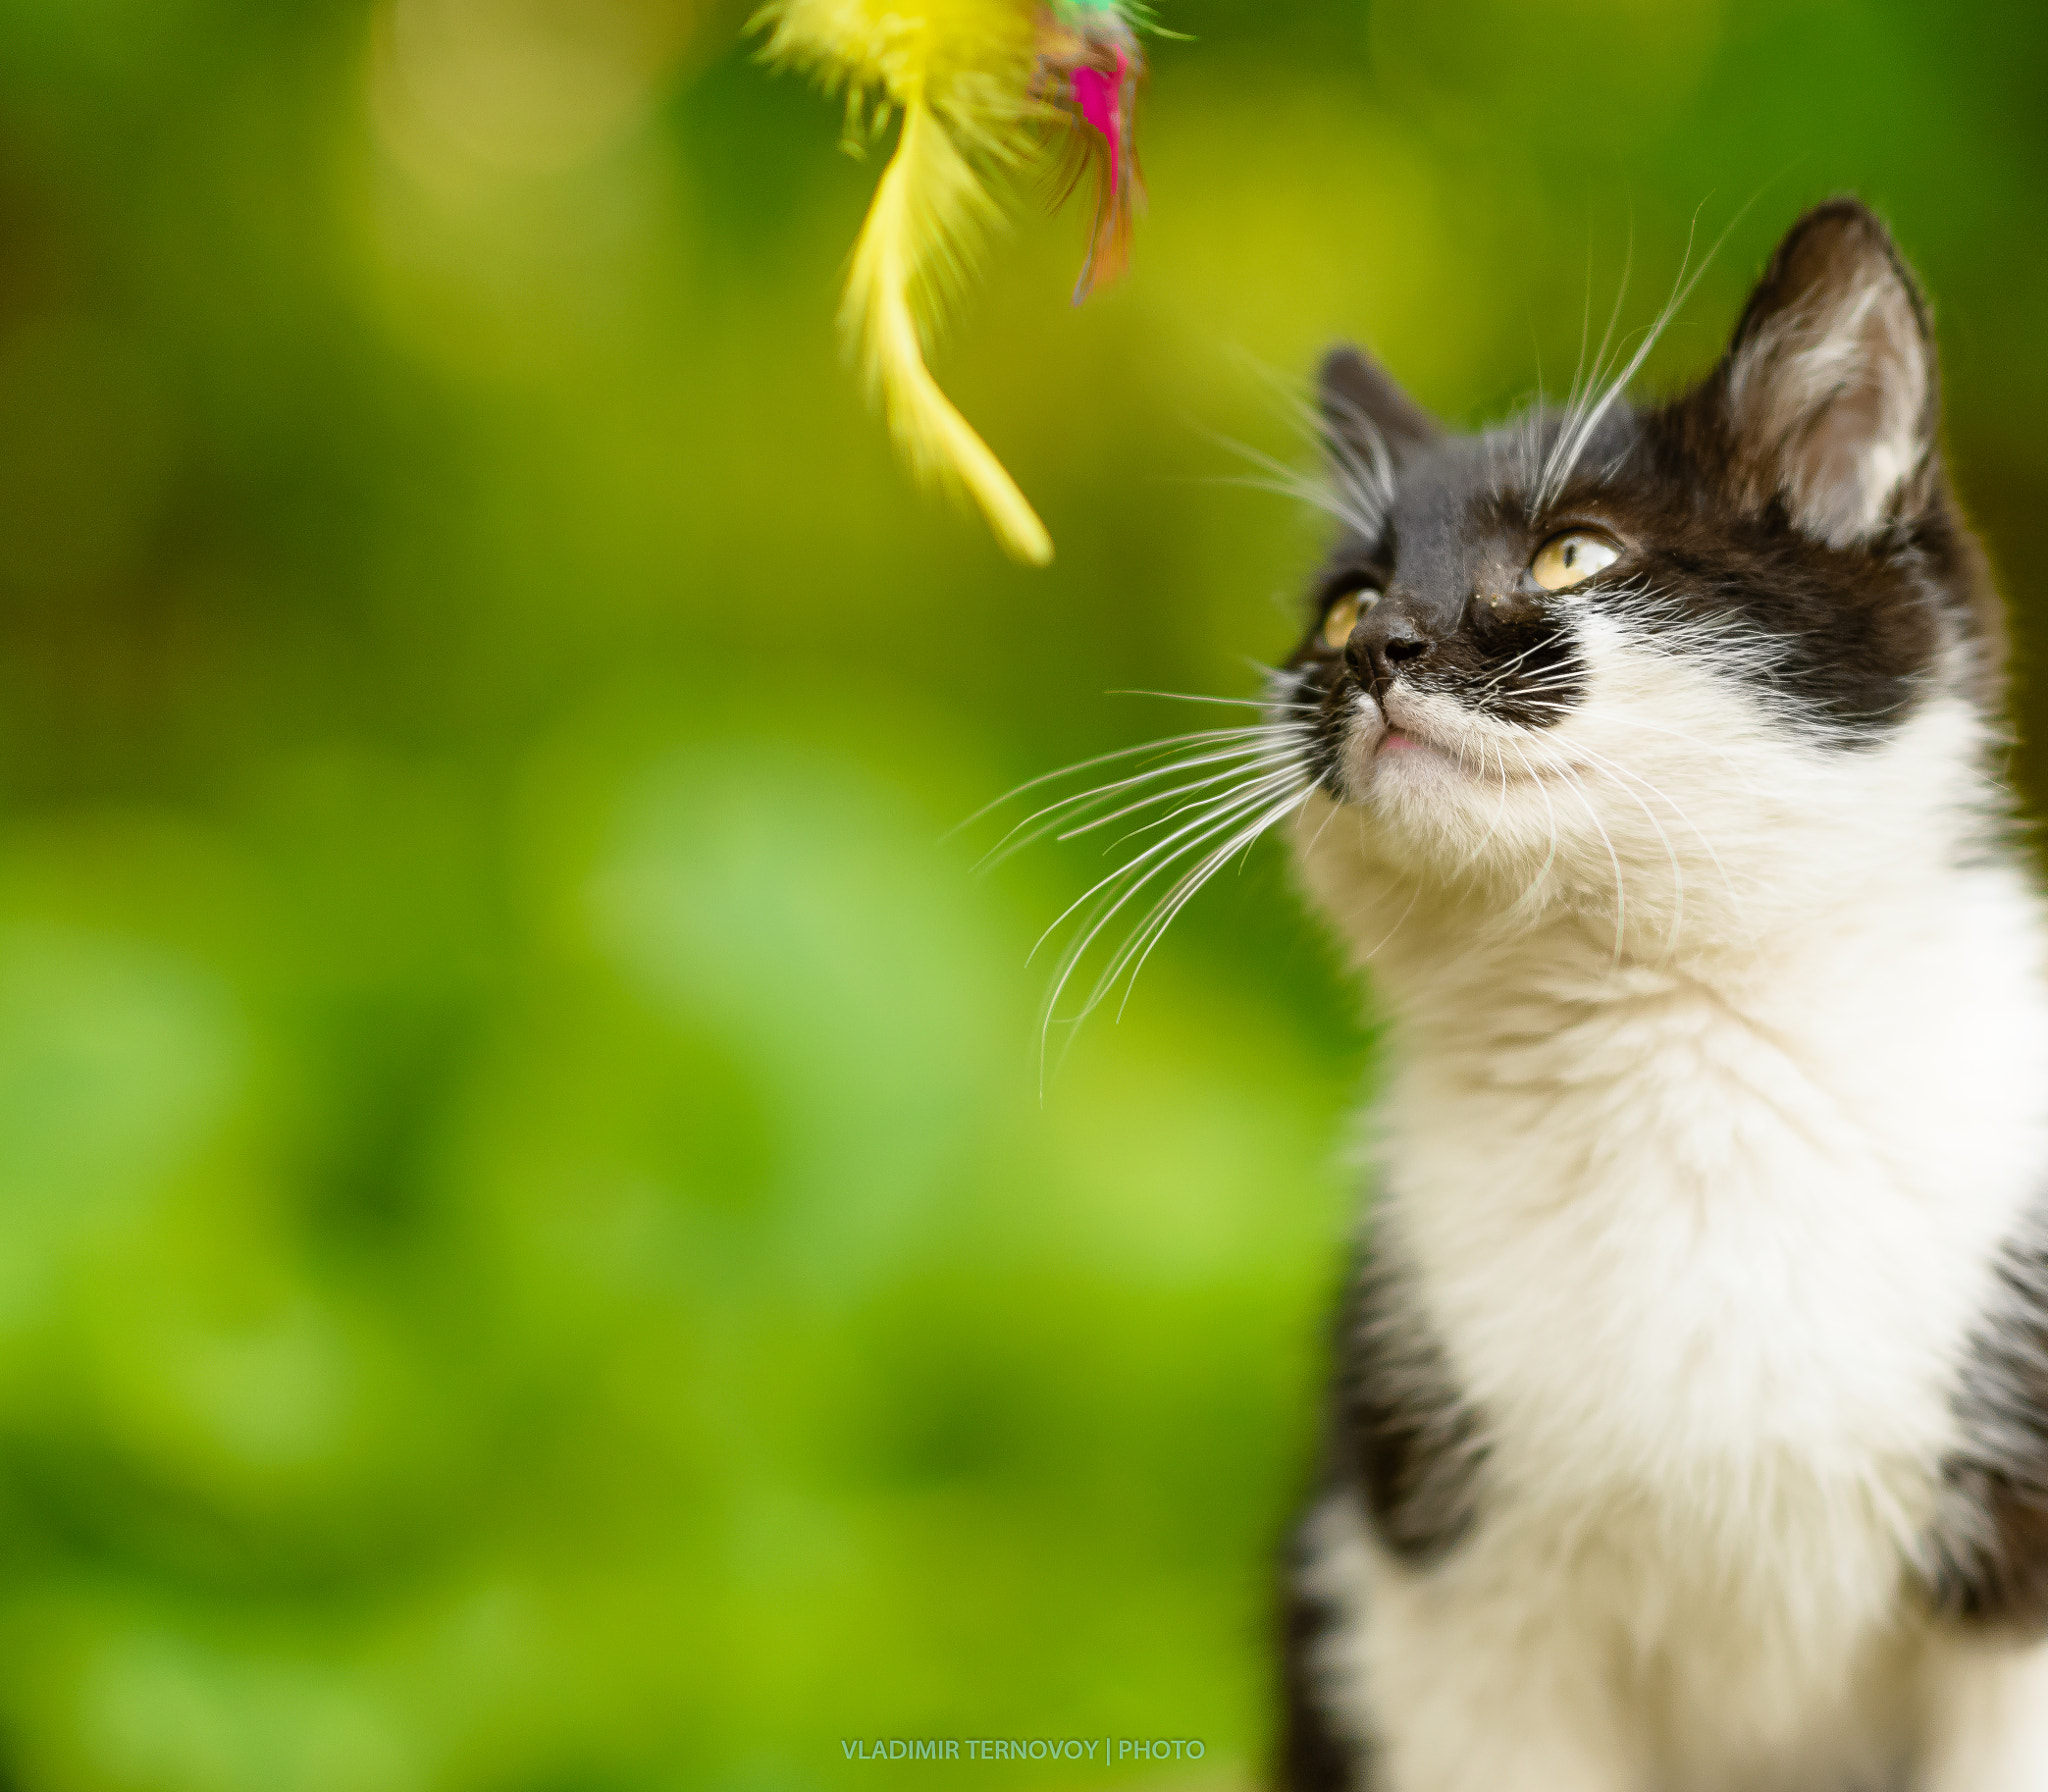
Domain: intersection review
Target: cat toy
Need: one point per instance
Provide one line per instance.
(979, 84)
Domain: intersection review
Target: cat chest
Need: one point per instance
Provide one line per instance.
(1671, 1244)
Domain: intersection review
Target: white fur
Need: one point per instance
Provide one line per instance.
(1720, 1074)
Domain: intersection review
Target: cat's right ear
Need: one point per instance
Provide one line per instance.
(1365, 416)
(1828, 393)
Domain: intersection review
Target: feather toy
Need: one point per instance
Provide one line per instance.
(976, 83)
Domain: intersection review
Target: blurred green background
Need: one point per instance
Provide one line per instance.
(532, 1258)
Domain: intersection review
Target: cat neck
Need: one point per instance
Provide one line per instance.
(1458, 971)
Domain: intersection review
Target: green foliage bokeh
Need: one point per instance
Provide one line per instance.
(533, 1257)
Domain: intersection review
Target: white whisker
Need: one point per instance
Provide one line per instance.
(1183, 892)
(1067, 771)
(1123, 884)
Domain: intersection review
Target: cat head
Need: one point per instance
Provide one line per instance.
(1668, 662)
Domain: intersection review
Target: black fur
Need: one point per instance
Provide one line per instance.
(1402, 1432)
(1988, 1553)
(1404, 1444)
(1309, 1755)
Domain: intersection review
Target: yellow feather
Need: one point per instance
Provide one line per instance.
(940, 48)
(917, 233)
(959, 71)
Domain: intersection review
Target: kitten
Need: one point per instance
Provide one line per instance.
(1689, 1429)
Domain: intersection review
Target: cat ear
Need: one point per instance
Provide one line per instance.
(1829, 385)
(1365, 416)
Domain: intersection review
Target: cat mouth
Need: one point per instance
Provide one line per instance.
(1406, 740)
(1386, 743)
(1389, 734)
(1399, 732)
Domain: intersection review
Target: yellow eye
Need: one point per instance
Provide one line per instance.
(1568, 559)
(1342, 617)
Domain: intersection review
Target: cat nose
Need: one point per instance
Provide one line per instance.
(1389, 636)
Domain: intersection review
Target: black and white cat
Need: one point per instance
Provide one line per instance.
(1690, 1417)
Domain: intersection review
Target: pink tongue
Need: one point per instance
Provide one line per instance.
(1394, 741)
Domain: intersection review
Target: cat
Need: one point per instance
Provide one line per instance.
(1689, 1419)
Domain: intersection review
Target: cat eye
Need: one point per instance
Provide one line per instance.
(1571, 558)
(1342, 616)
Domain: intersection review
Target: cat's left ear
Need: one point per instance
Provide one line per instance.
(1828, 391)
(1365, 415)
